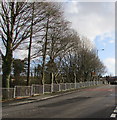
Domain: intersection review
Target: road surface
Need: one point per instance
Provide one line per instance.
(98, 102)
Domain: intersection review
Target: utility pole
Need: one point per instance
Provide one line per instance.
(97, 55)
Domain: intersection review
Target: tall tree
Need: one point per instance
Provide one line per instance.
(15, 28)
(30, 45)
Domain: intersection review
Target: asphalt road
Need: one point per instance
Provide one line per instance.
(96, 102)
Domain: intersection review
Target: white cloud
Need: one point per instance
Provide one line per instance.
(95, 19)
(73, 9)
(105, 36)
(110, 64)
(92, 19)
(111, 41)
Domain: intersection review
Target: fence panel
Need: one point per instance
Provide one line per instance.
(89, 82)
(86, 84)
(77, 85)
(37, 89)
(93, 82)
(23, 91)
(96, 82)
(68, 86)
(62, 86)
(82, 84)
(55, 87)
(7, 93)
(47, 88)
(72, 85)
(100, 82)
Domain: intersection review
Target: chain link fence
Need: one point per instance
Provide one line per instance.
(23, 91)
(47, 88)
(7, 93)
(56, 88)
(62, 87)
(37, 89)
(68, 86)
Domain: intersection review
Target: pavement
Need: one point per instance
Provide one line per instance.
(95, 102)
(25, 100)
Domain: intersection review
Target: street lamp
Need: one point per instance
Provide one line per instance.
(97, 55)
(99, 50)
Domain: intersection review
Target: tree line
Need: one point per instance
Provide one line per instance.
(56, 52)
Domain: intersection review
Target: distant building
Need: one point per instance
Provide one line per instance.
(112, 80)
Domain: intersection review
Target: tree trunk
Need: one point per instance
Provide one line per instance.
(30, 45)
(6, 69)
(75, 79)
(45, 49)
(52, 82)
(6, 73)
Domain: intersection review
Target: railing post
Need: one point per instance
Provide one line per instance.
(59, 87)
(86, 84)
(52, 88)
(32, 90)
(70, 86)
(75, 85)
(43, 88)
(65, 86)
(14, 92)
(79, 85)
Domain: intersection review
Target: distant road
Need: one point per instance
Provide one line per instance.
(96, 102)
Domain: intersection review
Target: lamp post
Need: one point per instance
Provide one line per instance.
(97, 55)
(99, 50)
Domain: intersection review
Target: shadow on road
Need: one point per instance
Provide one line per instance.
(67, 101)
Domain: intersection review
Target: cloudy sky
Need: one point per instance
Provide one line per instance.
(95, 20)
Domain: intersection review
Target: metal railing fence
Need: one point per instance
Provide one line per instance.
(47, 88)
(7, 93)
(23, 91)
(36, 89)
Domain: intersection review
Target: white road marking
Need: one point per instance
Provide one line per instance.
(115, 111)
(113, 115)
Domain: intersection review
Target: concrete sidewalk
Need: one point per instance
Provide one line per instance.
(37, 98)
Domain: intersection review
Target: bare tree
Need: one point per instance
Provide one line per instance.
(30, 45)
(15, 28)
(52, 14)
